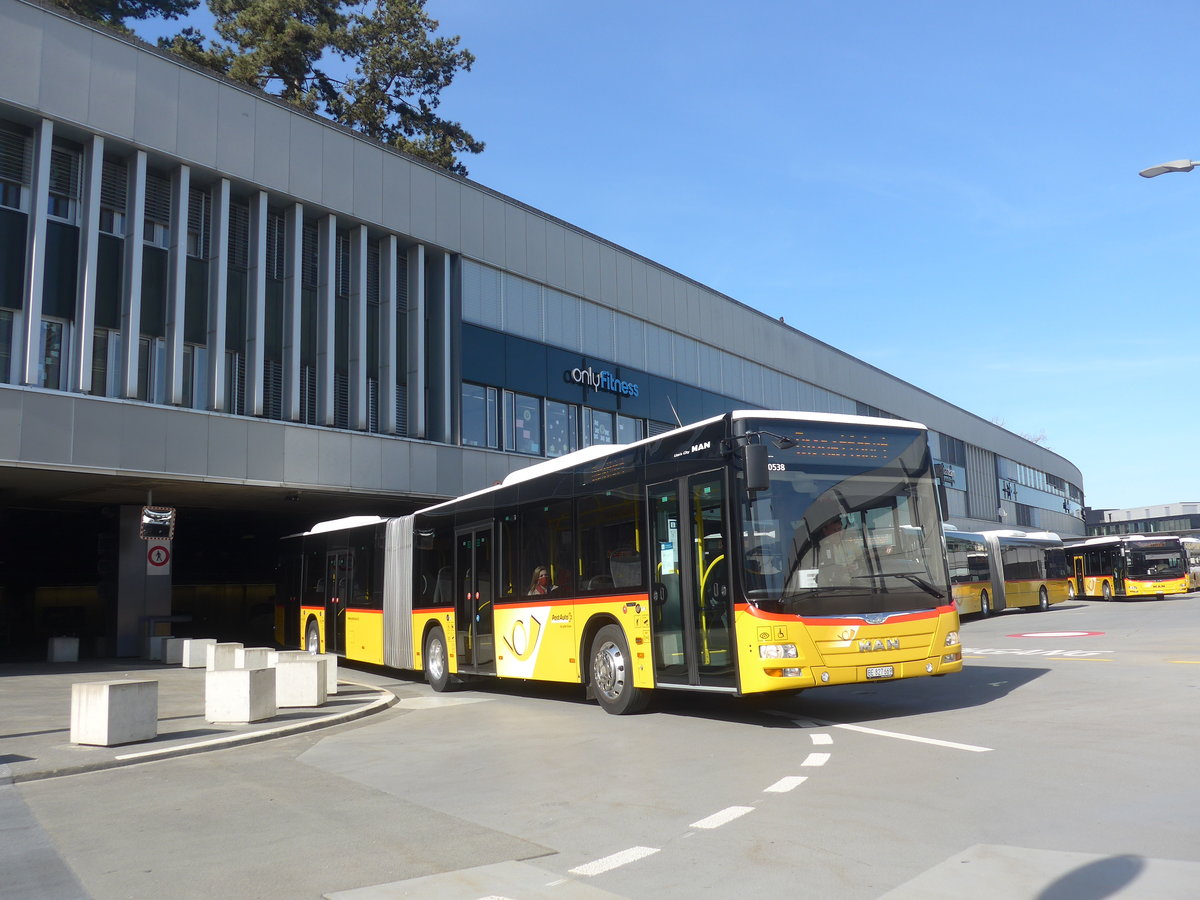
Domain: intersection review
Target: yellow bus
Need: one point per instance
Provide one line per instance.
(996, 570)
(1134, 565)
(751, 552)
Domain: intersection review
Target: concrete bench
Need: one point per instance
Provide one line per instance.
(156, 646)
(195, 652)
(300, 682)
(107, 713)
(252, 658)
(221, 656)
(62, 649)
(239, 695)
(173, 651)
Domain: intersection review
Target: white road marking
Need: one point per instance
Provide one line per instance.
(911, 737)
(821, 738)
(783, 785)
(716, 820)
(816, 759)
(596, 867)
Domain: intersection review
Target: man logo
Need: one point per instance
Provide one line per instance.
(871, 646)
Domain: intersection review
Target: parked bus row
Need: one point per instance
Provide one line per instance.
(1134, 565)
(751, 552)
(995, 570)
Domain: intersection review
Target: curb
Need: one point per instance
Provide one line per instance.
(385, 700)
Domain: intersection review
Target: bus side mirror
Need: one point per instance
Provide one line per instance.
(757, 476)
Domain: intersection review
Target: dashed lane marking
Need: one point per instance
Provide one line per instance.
(822, 738)
(717, 819)
(783, 785)
(816, 759)
(596, 867)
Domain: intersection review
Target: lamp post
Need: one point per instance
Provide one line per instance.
(1179, 165)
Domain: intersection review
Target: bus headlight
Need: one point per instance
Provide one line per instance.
(952, 638)
(777, 651)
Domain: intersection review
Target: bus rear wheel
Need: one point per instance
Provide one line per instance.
(612, 673)
(1106, 591)
(437, 661)
(1043, 599)
(312, 637)
(985, 605)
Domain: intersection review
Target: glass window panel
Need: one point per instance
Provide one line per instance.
(629, 430)
(631, 342)
(478, 416)
(687, 359)
(52, 354)
(562, 320)
(597, 330)
(523, 423)
(599, 427)
(562, 428)
(5, 342)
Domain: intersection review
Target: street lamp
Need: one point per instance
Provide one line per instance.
(1179, 165)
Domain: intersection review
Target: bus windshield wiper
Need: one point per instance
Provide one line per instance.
(911, 578)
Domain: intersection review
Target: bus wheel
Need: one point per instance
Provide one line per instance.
(1106, 591)
(1043, 599)
(985, 605)
(437, 662)
(612, 673)
(312, 637)
(1070, 590)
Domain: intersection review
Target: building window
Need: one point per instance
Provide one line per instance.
(199, 223)
(114, 191)
(52, 354)
(479, 416)
(15, 150)
(239, 235)
(158, 210)
(562, 428)
(523, 423)
(597, 427)
(63, 202)
(6, 320)
(629, 429)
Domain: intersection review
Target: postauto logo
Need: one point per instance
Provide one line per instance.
(603, 380)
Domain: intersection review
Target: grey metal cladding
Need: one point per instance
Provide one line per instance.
(65, 66)
(227, 444)
(422, 204)
(186, 440)
(156, 101)
(368, 181)
(337, 168)
(200, 97)
(21, 53)
(48, 426)
(235, 133)
(265, 443)
(305, 157)
(272, 147)
(111, 84)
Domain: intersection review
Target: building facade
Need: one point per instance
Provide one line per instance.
(212, 301)
(1167, 518)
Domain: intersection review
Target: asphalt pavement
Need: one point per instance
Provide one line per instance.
(35, 716)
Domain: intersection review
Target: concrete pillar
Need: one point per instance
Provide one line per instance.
(139, 594)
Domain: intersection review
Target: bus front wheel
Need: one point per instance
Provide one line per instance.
(612, 673)
(1106, 591)
(1043, 599)
(312, 637)
(437, 661)
(985, 605)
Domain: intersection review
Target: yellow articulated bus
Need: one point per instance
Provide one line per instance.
(1134, 565)
(751, 552)
(995, 570)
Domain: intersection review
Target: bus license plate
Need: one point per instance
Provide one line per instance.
(881, 671)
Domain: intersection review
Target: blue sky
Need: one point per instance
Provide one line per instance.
(946, 191)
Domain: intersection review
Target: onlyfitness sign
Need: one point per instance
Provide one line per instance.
(603, 380)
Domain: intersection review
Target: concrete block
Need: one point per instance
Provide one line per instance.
(108, 713)
(300, 682)
(239, 695)
(156, 646)
(62, 649)
(252, 657)
(195, 652)
(173, 651)
(331, 668)
(221, 656)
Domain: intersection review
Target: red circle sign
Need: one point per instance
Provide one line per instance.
(158, 556)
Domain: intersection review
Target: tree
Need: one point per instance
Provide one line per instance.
(115, 13)
(301, 50)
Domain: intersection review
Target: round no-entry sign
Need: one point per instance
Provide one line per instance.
(158, 555)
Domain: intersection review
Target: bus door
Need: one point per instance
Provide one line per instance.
(1077, 570)
(692, 607)
(339, 586)
(474, 598)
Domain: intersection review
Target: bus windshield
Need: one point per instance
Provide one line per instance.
(1156, 563)
(849, 526)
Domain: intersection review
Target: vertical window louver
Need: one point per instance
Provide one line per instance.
(343, 265)
(158, 210)
(273, 389)
(114, 194)
(308, 395)
(309, 256)
(15, 159)
(199, 223)
(239, 235)
(64, 183)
